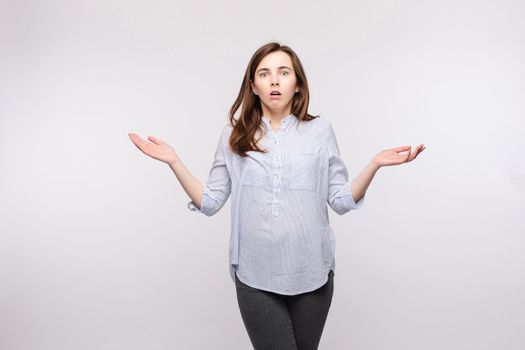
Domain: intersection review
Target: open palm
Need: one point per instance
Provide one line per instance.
(392, 156)
(156, 149)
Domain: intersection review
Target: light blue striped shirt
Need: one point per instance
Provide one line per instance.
(281, 240)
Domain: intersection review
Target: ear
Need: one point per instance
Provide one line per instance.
(254, 90)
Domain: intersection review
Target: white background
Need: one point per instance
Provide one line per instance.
(98, 249)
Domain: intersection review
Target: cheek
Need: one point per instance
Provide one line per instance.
(292, 84)
(258, 86)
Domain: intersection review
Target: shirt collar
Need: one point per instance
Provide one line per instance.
(286, 122)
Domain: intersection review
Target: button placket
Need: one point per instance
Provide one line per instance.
(276, 188)
(277, 158)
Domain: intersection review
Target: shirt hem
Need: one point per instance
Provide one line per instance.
(255, 285)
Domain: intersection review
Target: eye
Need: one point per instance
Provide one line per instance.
(262, 74)
(285, 72)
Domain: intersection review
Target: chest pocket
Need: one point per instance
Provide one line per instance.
(252, 168)
(305, 170)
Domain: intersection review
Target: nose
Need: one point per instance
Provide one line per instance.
(275, 80)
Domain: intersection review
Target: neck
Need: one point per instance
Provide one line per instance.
(276, 115)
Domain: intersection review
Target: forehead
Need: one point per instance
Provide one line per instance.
(275, 60)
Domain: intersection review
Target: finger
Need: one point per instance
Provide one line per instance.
(402, 148)
(155, 140)
(136, 144)
(139, 142)
(133, 138)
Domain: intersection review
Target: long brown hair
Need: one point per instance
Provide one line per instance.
(242, 138)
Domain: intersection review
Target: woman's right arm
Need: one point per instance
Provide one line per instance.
(206, 199)
(190, 183)
(160, 150)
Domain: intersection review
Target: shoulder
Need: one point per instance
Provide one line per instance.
(226, 130)
(228, 127)
(225, 135)
(320, 126)
(313, 124)
(322, 123)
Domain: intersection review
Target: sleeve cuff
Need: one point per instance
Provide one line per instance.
(359, 203)
(193, 207)
(208, 203)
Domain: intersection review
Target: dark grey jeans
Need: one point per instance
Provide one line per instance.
(284, 322)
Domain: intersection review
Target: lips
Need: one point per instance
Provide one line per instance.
(275, 93)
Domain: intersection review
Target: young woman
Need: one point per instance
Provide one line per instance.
(282, 168)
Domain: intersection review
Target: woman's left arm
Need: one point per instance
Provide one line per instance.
(384, 158)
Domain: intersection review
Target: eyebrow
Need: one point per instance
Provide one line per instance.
(281, 67)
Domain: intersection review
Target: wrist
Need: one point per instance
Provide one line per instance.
(374, 165)
(173, 163)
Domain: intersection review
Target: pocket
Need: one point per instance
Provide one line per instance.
(305, 171)
(252, 168)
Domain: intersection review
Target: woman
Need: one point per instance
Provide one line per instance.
(282, 168)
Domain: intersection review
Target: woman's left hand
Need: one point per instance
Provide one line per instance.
(392, 156)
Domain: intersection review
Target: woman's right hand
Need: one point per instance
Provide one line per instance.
(158, 149)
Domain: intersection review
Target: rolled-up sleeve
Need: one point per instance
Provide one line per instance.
(340, 197)
(217, 189)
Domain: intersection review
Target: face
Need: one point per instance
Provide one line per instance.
(275, 73)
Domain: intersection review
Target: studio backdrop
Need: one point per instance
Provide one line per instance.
(98, 249)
